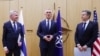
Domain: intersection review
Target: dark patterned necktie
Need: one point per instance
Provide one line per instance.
(14, 26)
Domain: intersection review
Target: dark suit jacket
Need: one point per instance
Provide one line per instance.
(10, 37)
(89, 36)
(42, 31)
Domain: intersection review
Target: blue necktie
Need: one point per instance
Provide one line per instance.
(14, 26)
(83, 27)
(48, 25)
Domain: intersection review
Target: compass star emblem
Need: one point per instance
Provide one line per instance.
(65, 30)
(65, 33)
(59, 41)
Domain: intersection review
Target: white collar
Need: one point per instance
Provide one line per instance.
(48, 19)
(86, 21)
(12, 21)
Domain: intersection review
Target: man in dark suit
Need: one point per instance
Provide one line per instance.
(86, 32)
(11, 31)
(47, 31)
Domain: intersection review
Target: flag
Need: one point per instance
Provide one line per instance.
(59, 42)
(53, 17)
(96, 45)
(95, 16)
(96, 48)
(23, 47)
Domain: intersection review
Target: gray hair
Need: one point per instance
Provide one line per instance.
(12, 12)
(48, 10)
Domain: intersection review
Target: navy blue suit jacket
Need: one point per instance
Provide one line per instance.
(10, 37)
(42, 31)
(89, 36)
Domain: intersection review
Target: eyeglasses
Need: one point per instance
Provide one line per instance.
(48, 12)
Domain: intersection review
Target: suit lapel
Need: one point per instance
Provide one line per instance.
(11, 25)
(81, 27)
(17, 27)
(88, 26)
(51, 25)
(44, 24)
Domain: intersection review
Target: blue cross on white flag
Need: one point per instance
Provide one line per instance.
(23, 47)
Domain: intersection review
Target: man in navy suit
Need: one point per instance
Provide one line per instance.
(11, 31)
(86, 32)
(47, 31)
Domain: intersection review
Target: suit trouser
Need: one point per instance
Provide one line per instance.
(49, 51)
(15, 52)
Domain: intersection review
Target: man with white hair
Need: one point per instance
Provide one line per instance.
(11, 31)
(47, 32)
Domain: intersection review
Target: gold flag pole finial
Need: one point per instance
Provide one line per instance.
(94, 8)
(54, 6)
(59, 8)
(21, 7)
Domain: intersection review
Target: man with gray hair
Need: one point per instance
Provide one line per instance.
(47, 32)
(11, 31)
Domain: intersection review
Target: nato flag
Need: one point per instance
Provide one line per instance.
(59, 43)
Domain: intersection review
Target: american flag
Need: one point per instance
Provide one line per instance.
(96, 45)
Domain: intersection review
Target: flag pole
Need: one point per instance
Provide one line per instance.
(58, 8)
(21, 7)
(94, 8)
(54, 11)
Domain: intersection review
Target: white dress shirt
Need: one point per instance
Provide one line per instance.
(48, 22)
(12, 23)
(87, 22)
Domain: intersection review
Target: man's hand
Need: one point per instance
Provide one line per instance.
(79, 47)
(51, 37)
(84, 47)
(46, 38)
(19, 44)
(6, 50)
